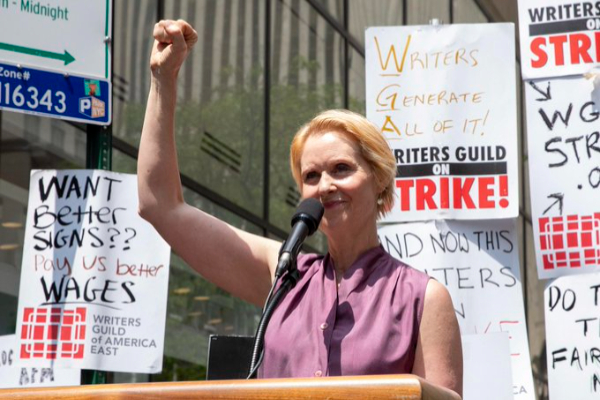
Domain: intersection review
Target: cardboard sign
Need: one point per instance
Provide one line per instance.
(12, 375)
(486, 367)
(564, 175)
(572, 337)
(558, 37)
(480, 267)
(445, 99)
(94, 275)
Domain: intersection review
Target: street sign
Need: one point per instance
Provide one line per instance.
(69, 36)
(55, 58)
(55, 95)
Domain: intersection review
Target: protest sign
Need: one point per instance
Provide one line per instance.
(564, 175)
(94, 275)
(558, 37)
(478, 262)
(486, 367)
(444, 97)
(12, 375)
(572, 337)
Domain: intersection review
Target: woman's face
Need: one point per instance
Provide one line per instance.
(334, 172)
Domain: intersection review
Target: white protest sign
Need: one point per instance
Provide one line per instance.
(445, 100)
(478, 261)
(12, 375)
(486, 367)
(558, 37)
(564, 175)
(573, 337)
(69, 36)
(94, 276)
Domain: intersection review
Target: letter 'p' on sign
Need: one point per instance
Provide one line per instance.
(85, 105)
(92, 107)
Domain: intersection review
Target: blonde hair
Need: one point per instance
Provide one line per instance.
(373, 148)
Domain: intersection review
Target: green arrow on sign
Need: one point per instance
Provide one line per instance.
(66, 56)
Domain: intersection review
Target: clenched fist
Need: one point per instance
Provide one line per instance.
(173, 41)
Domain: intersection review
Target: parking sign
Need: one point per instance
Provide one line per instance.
(55, 95)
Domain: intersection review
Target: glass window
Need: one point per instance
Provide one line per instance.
(133, 23)
(220, 115)
(467, 11)
(357, 83)
(334, 8)
(220, 118)
(364, 13)
(27, 142)
(421, 12)
(121, 162)
(307, 73)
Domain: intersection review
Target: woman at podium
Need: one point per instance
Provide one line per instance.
(355, 310)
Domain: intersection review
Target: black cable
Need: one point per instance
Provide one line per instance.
(257, 366)
(253, 368)
(270, 293)
(288, 281)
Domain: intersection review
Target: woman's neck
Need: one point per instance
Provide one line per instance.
(345, 248)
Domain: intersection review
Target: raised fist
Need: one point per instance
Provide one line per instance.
(173, 41)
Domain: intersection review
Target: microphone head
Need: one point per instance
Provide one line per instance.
(310, 211)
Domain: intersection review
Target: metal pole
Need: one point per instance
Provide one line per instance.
(99, 156)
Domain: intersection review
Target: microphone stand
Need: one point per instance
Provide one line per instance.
(288, 281)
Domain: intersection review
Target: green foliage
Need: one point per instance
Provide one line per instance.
(235, 118)
(129, 126)
(178, 370)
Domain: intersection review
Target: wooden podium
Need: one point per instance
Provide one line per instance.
(377, 387)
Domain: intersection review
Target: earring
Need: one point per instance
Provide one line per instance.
(379, 201)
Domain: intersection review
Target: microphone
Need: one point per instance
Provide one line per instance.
(304, 223)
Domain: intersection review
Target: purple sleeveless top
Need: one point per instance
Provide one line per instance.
(369, 326)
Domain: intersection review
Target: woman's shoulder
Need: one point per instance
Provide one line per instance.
(410, 287)
(405, 271)
(308, 261)
(308, 265)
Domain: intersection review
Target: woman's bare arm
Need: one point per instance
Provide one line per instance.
(439, 352)
(237, 261)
